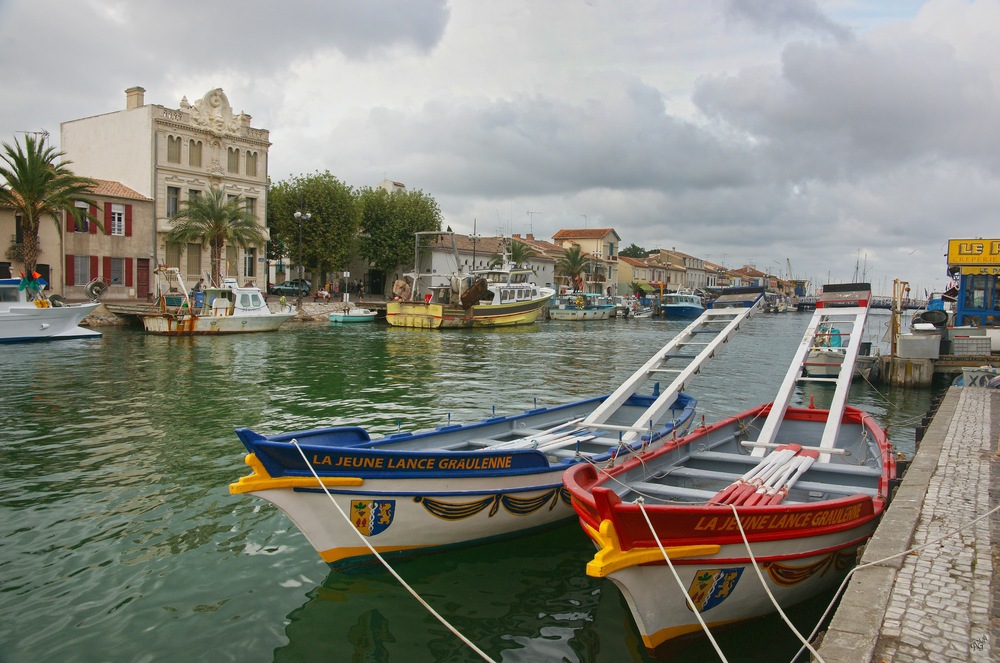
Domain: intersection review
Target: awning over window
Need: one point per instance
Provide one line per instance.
(645, 287)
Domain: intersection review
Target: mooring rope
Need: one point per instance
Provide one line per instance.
(391, 570)
(876, 562)
(774, 601)
(677, 579)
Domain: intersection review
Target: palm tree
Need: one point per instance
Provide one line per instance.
(214, 219)
(572, 264)
(518, 256)
(38, 183)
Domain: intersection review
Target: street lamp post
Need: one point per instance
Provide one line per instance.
(300, 217)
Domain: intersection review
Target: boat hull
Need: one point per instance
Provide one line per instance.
(410, 492)
(682, 311)
(26, 322)
(726, 589)
(342, 317)
(603, 313)
(423, 315)
(802, 547)
(169, 324)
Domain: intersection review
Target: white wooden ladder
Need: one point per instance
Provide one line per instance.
(844, 308)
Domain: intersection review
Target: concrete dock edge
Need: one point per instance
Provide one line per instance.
(869, 624)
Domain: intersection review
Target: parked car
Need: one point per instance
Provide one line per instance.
(291, 287)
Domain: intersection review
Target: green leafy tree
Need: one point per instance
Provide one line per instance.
(389, 223)
(216, 219)
(634, 251)
(330, 236)
(39, 183)
(520, 254)
(572, 264)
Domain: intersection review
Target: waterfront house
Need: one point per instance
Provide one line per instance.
(169, 155)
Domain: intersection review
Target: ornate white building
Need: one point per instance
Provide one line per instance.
(170, 155)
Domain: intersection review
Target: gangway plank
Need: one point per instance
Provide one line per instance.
(841, 305)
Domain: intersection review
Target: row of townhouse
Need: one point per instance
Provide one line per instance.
(147, 159)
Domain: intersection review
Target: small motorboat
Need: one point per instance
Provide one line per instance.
(353, 315)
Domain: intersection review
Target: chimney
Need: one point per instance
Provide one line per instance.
(530, 237)
(516, 235)
(133, 97)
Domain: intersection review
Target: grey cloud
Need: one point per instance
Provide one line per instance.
(779, 17)
(542, 145)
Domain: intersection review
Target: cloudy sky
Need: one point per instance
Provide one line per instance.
(839, 135)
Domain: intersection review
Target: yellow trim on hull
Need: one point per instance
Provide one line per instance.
(671, 632)
(611, 557)
(334, 555)
(262, 480)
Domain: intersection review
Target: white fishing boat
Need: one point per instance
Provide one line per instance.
(498, 296)
(355, 314)
(410, 492)
(229, 309)
(805, 486)
(581, 306)
(27, 314)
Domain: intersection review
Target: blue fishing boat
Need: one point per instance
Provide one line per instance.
(682, 304)
(354, 494)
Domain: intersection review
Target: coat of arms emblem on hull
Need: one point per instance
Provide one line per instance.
(372, 516)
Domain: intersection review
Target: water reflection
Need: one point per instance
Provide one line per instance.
(120, 534)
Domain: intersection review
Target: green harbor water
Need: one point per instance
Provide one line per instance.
(119, 540)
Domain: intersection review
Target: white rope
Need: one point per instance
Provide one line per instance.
(677, 578)
(876, 562)
(391, 570)
(756, 567)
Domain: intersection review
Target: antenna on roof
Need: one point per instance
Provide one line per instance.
(531, 227)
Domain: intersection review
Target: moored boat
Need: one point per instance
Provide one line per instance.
(581, 306)
(805, 486)
(229, 309)
(683, 304)
(410, 492)
(352, 315)
(26, 314)
(499, 296)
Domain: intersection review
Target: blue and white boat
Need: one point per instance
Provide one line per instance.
(683, 304)
(411, 492)
(27, 314)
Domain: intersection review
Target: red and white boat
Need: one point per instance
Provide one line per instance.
(804, 486)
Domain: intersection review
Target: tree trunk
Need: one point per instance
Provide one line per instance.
(29, 254)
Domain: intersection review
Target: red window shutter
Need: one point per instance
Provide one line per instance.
(70, 225)
(93, 267)
(107, 218)
(128, 221)
(93, 213)
(107, 269)
(128, 261)
(69, 270)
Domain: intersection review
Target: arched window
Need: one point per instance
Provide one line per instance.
(174, 149)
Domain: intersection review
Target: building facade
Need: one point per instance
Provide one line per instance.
(601, 245)
(168, 156)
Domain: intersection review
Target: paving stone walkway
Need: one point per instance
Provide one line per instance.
(936, 604)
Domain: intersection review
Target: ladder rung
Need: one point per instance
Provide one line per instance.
(806, 379)
(666, 370)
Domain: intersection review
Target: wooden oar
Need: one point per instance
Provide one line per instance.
(771, 486)
(806, 461)
(737, 489)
